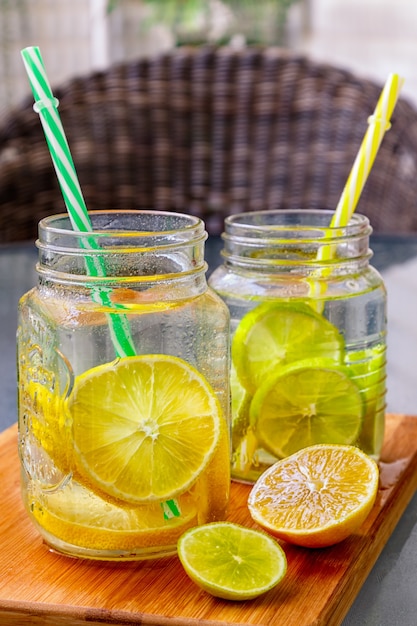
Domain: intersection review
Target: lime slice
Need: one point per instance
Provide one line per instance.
(306, 403)
(244, 442)
(231, 561)
(238, 392)
(368, 369)
(241, 401)
(273, 335)
(144, 427)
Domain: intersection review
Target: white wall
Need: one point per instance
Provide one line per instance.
(370, 37)
(76, 36)
(60, 27)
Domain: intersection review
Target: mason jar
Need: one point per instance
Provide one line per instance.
(123, 368)
(308, 326)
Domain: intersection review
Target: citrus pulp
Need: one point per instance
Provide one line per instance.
(276, 334)
(306, 403)
(316, 497)
(144, 427)
(230, 561)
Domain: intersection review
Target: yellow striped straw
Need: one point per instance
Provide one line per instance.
(378, 124)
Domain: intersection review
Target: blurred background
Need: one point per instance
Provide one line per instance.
(369, 37)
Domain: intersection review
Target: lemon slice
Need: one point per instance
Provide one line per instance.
(144, 427)
(230, 561)
(306, 403)
(316, 497)
(273, 335)
(77, 517)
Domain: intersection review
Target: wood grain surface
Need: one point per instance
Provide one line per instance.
(40, 587)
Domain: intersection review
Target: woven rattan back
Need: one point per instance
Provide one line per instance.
(211, 131)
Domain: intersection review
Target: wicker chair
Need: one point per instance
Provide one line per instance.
(211, 131)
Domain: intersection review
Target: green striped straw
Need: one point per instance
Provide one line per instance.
(46, 105)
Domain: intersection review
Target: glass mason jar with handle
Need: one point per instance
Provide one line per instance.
(123, 363)
(308, 325)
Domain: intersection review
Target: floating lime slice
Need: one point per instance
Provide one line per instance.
(307, 403)
(368, 369)
(274, 335)
(241, 401)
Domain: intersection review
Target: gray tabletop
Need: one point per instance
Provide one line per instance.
(389, 595)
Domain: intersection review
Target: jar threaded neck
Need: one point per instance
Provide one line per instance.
(296, 241)
(139, 246)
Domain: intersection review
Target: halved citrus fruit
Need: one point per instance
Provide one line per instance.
(144, 427)
(230, 561)
(275, 334)
(306, 403)
(316, 497)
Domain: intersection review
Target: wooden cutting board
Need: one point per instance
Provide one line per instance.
(40, 587)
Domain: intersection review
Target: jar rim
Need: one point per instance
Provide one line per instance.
(295, 240)
(60, 223)
(143, 245)
(269, 223)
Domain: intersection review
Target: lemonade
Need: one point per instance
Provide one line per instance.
(121, 454)
(308, 337)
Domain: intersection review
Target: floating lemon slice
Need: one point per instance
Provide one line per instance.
(316, 497)
(275, 334)
(77, 517)
(144, 427)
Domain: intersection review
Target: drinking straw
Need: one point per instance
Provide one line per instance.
(46, 105)
(378, 124)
